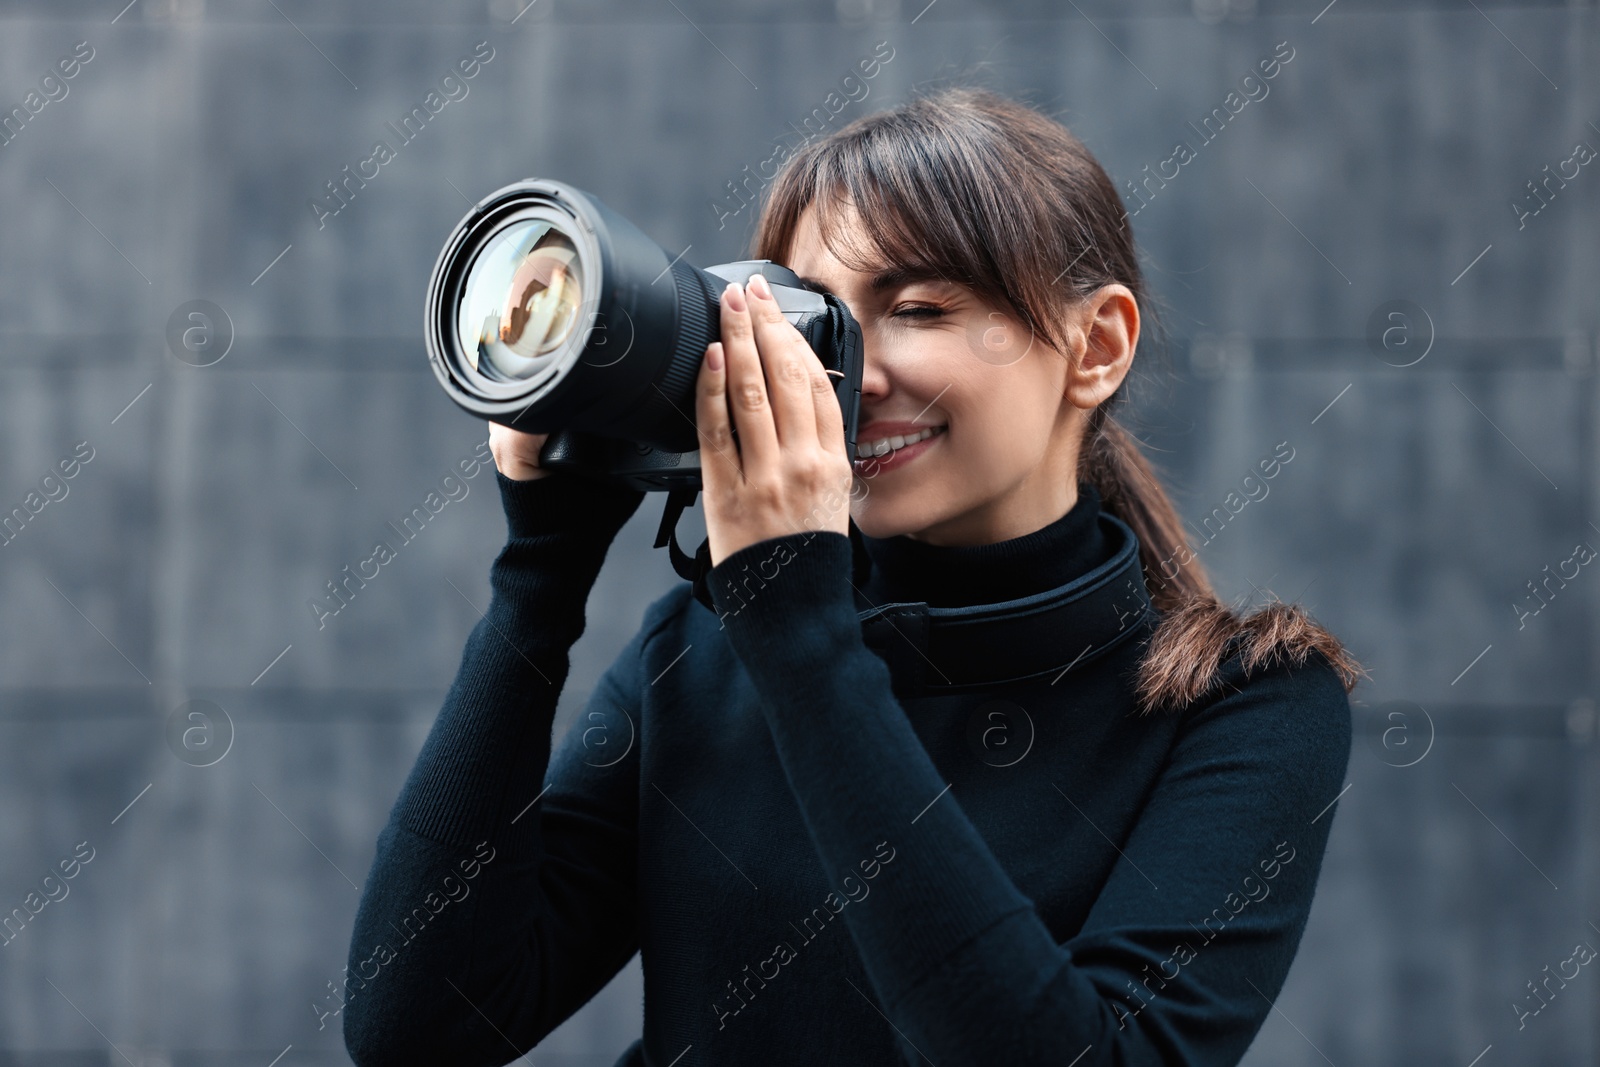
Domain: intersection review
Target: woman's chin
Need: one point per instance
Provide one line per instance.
(881, 517)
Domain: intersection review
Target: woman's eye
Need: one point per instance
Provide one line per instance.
(917, 311)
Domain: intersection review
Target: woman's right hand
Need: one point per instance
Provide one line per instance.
(516, 454)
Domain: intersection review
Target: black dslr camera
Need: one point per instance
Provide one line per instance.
(550, 313)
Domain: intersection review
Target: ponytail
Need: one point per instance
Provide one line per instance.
(1192, 640)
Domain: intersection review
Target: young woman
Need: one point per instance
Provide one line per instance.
(1008, 785)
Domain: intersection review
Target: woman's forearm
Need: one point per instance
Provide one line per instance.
(452, 919)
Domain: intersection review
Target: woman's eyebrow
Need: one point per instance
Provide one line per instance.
(887, 279)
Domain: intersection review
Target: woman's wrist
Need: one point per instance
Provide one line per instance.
(796, 574)
(560, 530)
(558, 502)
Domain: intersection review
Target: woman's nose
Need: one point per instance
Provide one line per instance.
(874, 377)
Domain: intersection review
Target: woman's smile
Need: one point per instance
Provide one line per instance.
(886, 454)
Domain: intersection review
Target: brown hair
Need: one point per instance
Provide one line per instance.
(971, 186)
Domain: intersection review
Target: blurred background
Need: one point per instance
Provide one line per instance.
(1387, 262)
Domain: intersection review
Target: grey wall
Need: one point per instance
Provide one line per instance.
(1420, 500)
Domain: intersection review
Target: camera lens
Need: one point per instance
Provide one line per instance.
(521, 300)
(548, 311)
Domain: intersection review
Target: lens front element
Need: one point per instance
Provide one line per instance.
(521, 301)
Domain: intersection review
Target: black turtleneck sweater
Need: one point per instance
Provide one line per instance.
(943, 576)
(840, 826)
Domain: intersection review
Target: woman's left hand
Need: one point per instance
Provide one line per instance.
(788, 471)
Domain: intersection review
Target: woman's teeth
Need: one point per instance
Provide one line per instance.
(890, 444)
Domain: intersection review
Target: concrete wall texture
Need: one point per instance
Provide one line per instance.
(181, 162)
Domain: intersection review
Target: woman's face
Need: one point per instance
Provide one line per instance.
(1007, 411)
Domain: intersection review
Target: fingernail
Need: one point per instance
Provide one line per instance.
(758, 286)
(735, 296)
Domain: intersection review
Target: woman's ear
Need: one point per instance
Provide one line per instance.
(1107, 333)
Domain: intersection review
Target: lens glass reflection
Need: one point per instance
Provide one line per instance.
(521, 301)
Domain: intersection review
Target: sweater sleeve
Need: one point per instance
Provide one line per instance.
(962, 964)
(487, 918)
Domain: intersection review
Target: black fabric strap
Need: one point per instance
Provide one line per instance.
(941, 649)
(1035, 637)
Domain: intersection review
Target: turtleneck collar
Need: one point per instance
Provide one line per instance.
(908, 571)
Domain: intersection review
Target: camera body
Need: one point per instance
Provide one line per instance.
(646, 467)
(550, 313)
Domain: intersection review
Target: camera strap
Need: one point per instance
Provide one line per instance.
(696, 568)
(688, 567)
